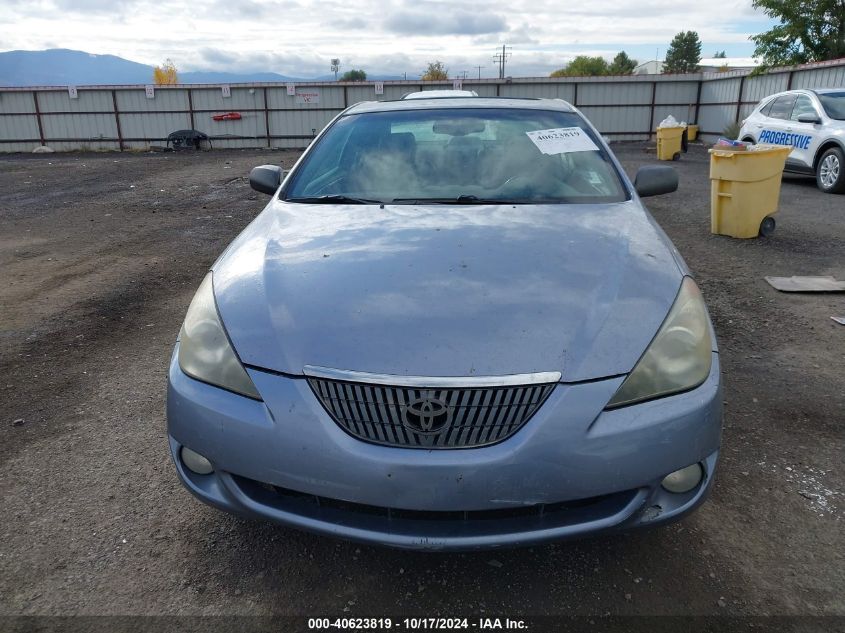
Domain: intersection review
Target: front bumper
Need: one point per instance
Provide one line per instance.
(572, 470)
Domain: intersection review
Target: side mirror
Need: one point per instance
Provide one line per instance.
(266, 178)
(655, 180)
(809, 117)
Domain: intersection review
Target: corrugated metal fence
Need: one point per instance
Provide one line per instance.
(288, 115)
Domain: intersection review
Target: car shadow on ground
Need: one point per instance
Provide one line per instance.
(583, 576)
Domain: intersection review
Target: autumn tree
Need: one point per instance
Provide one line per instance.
(354, 75)
(165, 75)
(583, 66)
(622, 64)
(684, 53)
(808, 31)
(435, 71)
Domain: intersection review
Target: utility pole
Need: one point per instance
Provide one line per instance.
(479, 70)
(501, 59)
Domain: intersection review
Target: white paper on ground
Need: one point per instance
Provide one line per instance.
(562, 140)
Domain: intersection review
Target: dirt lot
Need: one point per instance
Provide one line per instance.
(100, 255)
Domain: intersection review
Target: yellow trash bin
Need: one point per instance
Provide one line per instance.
(692, 132)
(745, 189)
(669, 142)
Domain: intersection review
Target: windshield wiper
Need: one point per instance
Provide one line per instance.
(462, 199)
(333, 199)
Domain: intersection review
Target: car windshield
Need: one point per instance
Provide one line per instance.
(458, 156)
(834, 104)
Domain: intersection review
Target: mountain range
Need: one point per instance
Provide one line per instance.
(64, 67)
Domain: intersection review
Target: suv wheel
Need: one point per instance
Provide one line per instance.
(830, 171)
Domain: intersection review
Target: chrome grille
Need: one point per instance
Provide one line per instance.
(431, 417)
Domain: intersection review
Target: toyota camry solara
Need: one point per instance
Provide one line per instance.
(454, 326)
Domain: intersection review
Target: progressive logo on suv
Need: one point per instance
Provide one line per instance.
(812, 122)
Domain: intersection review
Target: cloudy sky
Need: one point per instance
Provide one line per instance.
(299, 37)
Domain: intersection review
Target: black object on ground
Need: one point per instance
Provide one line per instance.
(187, 139)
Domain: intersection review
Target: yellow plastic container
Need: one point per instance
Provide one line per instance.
(745, 189)
(692, 132)
(669, 142)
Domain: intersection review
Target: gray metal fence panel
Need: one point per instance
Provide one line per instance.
(621, 107)
(676, 92)
(79, 126)
(712, 119)
(327, 97)
(720, 90)
(213, 99)
(831, 77)
(251, 125)
(154, 126)
(299, 123)
(613, 94)
(16, 102)
(764, 85)
(620, 119)
(86, 101)
(356, 94)
(164, 99)
(565, 91)
(483, 90)
(18, 127)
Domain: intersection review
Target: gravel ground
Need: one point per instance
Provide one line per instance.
(100, 255)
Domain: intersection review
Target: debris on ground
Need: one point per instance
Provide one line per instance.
(806, 284)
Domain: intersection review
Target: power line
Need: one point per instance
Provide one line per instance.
(501, 59)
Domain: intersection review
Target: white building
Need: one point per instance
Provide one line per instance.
(706, 65)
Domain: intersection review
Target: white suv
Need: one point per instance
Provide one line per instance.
(813, 123)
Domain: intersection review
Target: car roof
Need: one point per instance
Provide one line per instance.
(440, 94)
(512, 103)
(802, 91)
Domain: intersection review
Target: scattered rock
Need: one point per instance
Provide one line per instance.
(494, 563)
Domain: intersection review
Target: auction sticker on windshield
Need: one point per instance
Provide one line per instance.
(562, 140)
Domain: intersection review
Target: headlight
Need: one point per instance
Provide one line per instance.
(679, 357)
(204, 349)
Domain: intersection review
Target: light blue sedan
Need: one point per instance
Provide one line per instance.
(454, 326)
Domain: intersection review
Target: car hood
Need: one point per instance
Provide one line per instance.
(445, 290)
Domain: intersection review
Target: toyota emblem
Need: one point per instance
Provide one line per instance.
(427, 415)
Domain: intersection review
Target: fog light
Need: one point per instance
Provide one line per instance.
(683, 480)
(197, 463)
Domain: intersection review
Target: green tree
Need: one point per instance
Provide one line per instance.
(809, 31)
(583, 66)
(435, 71)
(719, 55)
(354, 75)
(622, 64)
(684, 53)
